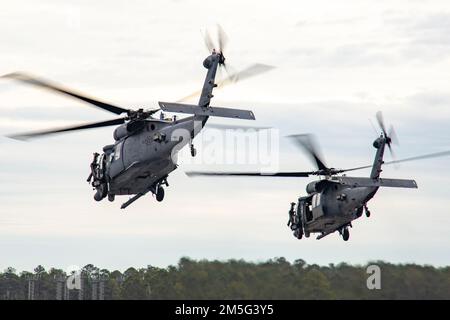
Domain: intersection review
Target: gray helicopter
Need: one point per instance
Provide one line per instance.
(334, 201)
(145, 148)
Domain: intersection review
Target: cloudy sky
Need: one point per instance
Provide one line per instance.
(337, 64)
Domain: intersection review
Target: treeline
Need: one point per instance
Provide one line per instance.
(238, 279)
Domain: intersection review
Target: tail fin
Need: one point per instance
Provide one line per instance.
(379, 182)
(207, 111)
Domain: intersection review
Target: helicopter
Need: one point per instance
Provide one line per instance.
(335, 200)
(145, 148)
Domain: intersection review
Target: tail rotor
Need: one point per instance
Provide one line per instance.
(391, 136)
(222, 41)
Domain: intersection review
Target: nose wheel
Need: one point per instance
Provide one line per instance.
(159, 190)
(160, 194)
(345, 234)
(367, 211)
(193, 151)
(101, 192)
(298, 233)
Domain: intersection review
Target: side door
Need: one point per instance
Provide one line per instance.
(116, 166)
(317, 209)
(304, 209)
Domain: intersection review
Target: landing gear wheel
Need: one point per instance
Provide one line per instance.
(98, 196)
(193, 151)
(101, 192)
(298, 233)
(367, 211)
(160, 194)
(111, 197)
(345, 234)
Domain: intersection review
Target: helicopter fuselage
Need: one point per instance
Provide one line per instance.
(335, 201)
(141, 159)
(330, 206)
(145, 150)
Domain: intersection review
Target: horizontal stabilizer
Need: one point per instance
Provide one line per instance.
(381, 182)
(207, 111)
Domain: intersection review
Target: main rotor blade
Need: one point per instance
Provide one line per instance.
(308, 144)
(57, 88)
(425, 156)
(37, 134)
(251, 71)
(353, 169)
(234, 127)
(249, 174)
(248, 72)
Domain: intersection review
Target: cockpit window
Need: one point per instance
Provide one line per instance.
(316, 200)
(117, 151)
